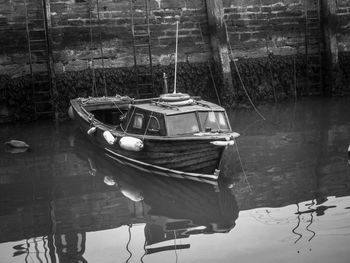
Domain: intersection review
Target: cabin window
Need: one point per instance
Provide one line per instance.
(182, 124)
(154, 125)
(213, 120)
(138, 121)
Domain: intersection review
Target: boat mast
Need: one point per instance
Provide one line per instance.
(177, 36)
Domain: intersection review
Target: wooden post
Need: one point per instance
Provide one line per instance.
(218, 40)
(329, 20)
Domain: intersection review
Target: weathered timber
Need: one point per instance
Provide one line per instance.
(329, 18)
(218, 40)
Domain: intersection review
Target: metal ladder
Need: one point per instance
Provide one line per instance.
(313, 49)
(38, 49)
(141, 34)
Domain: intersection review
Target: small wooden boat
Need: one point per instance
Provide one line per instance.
(175, 132)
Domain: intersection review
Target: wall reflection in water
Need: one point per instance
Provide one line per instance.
(53, 196)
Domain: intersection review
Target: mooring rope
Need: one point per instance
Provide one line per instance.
(240, 77)
(241, 163)
(127, 126)
(149, 120)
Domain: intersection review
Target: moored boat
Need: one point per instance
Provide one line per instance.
(175, 133)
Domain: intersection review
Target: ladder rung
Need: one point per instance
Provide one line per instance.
(142, 45)
(42, 92)
(44, 112)
(43, 102)
(139, 6)
(37, 30)
(35, 19)
(145, 84)
(38, 50)
(37, 40)
(41, 81)
(41, 61)
(140, 25)
(141, 35)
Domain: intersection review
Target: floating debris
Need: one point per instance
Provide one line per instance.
(15, 146)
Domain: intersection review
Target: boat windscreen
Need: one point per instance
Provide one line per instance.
(215, 121)
(182, 124)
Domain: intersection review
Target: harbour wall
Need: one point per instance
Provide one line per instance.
(271, 44)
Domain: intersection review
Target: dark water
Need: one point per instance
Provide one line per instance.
(62, 201)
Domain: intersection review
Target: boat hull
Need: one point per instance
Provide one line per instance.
(190, 155)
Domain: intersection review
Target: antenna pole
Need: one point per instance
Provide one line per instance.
(177, 36)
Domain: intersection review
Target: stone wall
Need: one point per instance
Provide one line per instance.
(78, 31)
(266, 37)
(341, 23)
(257, 28)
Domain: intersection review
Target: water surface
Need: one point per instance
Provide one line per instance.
(63, 201)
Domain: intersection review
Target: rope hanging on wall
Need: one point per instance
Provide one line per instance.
(91, 62)
(239, 74)
(101, 48)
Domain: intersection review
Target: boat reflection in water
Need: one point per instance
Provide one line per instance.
(53, 213)
(171, 208)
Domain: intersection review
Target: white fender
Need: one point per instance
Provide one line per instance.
(234, 135)
(91, 131)
(108, 180)
(71, 113)
(132, 194)
(109, 137)
(223, 143)
(131, 144)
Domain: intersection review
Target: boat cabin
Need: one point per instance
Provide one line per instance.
(160, 120)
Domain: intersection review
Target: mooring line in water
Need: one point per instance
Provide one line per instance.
(127, 245)
(297, 226)
(311, 221)
(239, 75)
(240, 161)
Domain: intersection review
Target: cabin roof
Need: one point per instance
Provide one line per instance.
(172, 110)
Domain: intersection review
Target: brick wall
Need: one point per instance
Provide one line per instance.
(343, 25)
(77, 27)
(259, 27)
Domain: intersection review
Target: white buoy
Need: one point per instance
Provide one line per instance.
(131, 144)
(91, 131)
(109, 137)
(223, 143)
(17, 144)
(71, 113)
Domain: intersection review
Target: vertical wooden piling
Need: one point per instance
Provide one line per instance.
(218, 40)
(329, 20)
